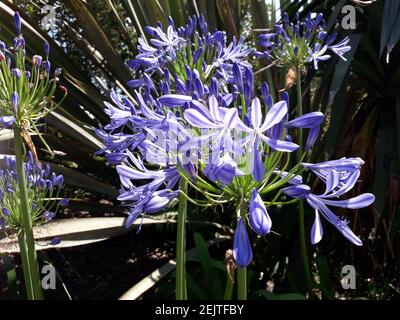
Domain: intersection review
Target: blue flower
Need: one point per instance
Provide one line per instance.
(224, 171)
(64, 202)
(257, 132)
(341, 48)
(6, 122)
(339, 177)
(317, 54)
(56, 240)
(48, 215)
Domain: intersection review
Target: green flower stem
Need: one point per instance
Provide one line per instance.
(181, 291)
(26, 239)
(302, 231)
(25, 266)
(242, 272)
(228, 288)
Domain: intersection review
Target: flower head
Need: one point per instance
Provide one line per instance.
(42, 184)
(339, 177)
(301, 42)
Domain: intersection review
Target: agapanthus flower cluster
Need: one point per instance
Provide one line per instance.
(43, 189)
(224, 140)
(174, 50)
(302, 41)
(26, 89)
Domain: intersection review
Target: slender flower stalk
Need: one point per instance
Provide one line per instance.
(181, 290)
(25, 237)
(302, 232)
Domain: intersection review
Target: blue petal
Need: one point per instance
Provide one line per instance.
(231, 118)
(299, 191)
(260, 221)
(6, 121)
(257, 165)
(255, 113)
(361, 201)
(316, 230)
(311, 138)
(197, 119)
(214, 109)
(332, 180)
(339, 224)
(308, 120)
(174, 100)
(280, 145)
(274, 115)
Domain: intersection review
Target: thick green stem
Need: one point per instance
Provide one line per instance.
(25, 266)
(302, 231)
(228, 288)
(181, 291)
(26, 239)
(242, 272)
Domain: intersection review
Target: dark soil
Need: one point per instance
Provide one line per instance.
(103, 270)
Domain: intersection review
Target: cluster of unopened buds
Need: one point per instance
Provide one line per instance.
(304, 41)
(43, 187)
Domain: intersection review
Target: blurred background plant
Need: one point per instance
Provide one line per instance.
(360, 97)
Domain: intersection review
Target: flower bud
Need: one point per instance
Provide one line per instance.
(16, 73)
(47, 66)
(260, 221)
(241, 245)
(46, 48)
(15, 102)
(17, 22)
(36, 61)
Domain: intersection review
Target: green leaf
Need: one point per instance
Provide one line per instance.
(212, 281)
(386, 135)
(73, 130)
(227, 11)
(390, 32)
(75, 178)
(324, 276)
(154, 12)
(178, 9)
